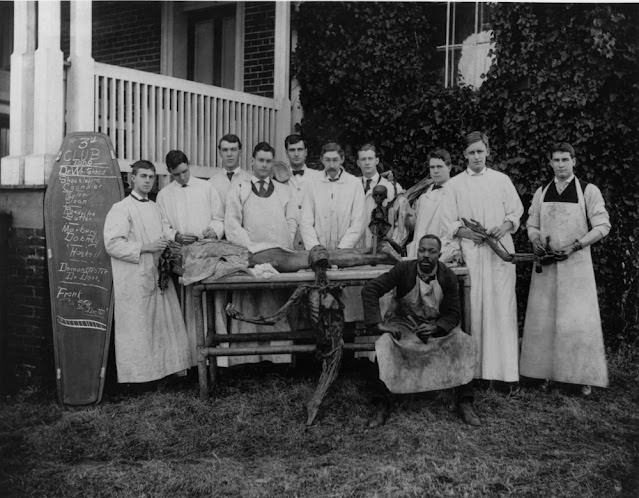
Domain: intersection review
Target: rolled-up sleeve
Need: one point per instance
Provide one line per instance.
(596, 210)
(533, 223)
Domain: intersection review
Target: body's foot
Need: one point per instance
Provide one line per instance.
(514, 390)
(586, 390)
(545, 386)
(467, 413)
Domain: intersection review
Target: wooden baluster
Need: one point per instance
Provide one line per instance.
(200, 135)
(112, 123)
(207, 133)
(144, 109)
(128, 120)
(121, 109)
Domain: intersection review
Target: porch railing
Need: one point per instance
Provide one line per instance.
(148, 114)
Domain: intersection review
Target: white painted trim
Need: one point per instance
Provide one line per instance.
(167, 37)
(239, 46)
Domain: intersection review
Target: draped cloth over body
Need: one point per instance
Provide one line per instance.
(259, 222)
(150, 337)
(490, 198)
(191, 209)
(563, 340)
(408, 365)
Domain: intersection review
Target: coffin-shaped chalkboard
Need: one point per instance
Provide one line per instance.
(84, 184)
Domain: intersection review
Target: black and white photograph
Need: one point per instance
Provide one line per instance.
(319, 249)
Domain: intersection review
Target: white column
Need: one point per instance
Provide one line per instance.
(48, 125)
(80, 88)
(281, 74)
(21, 93)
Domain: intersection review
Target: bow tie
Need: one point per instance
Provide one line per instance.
(298, 172)
(140, 200)
(435, 186)
(184, 186)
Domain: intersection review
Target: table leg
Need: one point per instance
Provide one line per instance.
(201, 361)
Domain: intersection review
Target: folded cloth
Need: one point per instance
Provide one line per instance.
(264, 270)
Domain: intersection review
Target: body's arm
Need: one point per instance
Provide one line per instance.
(598, 218)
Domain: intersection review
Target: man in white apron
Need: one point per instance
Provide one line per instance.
(422, 347)
(193, 210)
(259, 216)
(428, 209)
(563, 340)
(301, 178)
(150, 336)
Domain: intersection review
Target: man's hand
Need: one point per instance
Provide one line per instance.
(155, 246)
(501, 230)
(185, 239)
(538, 247)
(209, 233)
(467, 233)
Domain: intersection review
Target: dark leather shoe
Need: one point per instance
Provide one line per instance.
(381, 416)
(467, 413)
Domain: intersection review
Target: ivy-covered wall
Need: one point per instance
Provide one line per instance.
(563, 72)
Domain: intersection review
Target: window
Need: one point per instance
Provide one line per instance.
(6, 35)
(466, 44)
(211, 46)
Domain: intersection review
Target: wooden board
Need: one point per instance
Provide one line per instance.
(84, 184)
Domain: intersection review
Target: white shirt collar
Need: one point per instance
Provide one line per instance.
(564, 182)
(374, 179)
(256, 180)
(472, 173)
(339, 176)
(138, 196)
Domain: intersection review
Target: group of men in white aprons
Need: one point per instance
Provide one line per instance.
(562, 334)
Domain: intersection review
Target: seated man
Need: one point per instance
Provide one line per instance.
(425, 349)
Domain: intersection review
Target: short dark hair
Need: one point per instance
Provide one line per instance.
(561, 147)
(440, 154)
(174, 158)
(293, 139)
(264, 147)
(141, 164)
(332, 147)
(476, 136)
(433, 237)
(367, 146)
(229, 137)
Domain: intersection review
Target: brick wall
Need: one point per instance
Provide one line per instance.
(28, 342)
(127, 34)
(259, 47)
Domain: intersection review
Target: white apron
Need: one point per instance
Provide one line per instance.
(409, 365)
(264, 219)
(563, 340)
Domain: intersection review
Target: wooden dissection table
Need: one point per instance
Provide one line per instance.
(212, 293)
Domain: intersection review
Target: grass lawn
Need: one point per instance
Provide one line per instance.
(251, 441)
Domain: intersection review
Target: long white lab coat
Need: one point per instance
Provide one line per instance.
(299, 184)
(489, 198)
(333, 213)
(150, 337)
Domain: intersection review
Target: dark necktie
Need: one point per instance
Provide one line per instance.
(229, 174)
(262, 189)
(435, 186)
(368, 185)
(184, 186)
(298, 172)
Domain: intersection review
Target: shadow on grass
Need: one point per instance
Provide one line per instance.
(251, 441)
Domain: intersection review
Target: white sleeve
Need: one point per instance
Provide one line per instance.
(117, 227)
(357, 224)
(217, 211)
(233, 218)
(307, 223)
